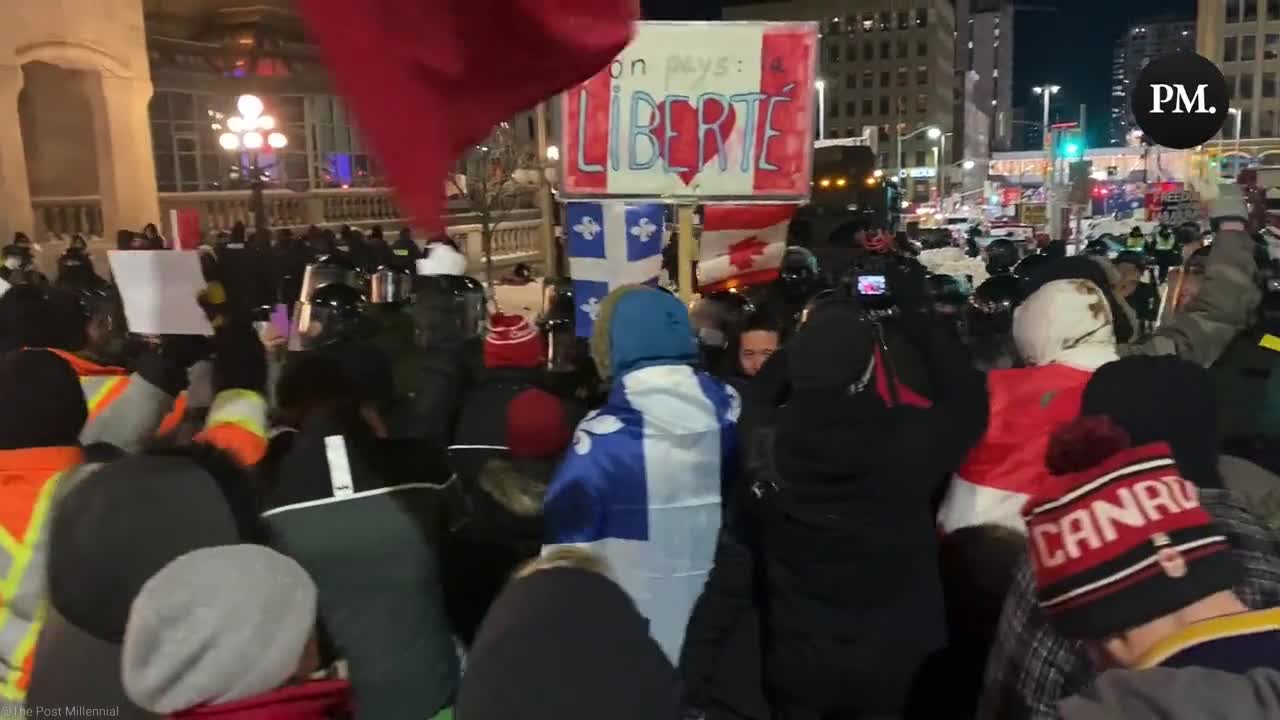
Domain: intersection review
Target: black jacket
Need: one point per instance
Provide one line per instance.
(841, 559)
(504, 498)
(366, 518)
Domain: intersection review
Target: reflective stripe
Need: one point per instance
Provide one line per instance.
(335, 455)
(17, 584)
(242, 408)
(102, 390)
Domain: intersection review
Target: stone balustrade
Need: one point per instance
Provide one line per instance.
(516, 236)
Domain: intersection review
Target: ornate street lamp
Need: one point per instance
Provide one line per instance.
(251, 130)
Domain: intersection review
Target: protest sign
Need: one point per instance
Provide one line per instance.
(1178, 207)
(159, 290)
(696, 111)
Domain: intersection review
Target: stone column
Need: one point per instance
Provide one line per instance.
(15, 188)
(122, 139)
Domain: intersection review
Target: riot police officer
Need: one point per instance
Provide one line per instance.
(799, 279)
(989, 321)
(947, 297)
(1002, 256)
(404, 251)
(75, 268)
(449, 313)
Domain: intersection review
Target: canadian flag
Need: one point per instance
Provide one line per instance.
(741, 244)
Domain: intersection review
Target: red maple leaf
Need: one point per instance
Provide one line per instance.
(743, 253)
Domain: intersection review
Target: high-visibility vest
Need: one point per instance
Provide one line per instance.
(31, 478)
(237, 424)
(104, 384)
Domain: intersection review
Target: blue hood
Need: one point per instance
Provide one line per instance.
(646, 327)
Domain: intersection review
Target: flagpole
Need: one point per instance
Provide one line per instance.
(550, 266)
(684, 250)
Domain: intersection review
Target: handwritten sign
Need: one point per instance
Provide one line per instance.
(705, 111)
(1177, 208)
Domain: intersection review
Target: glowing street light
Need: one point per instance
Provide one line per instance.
(553, 153)
(250, 106)
(252, 130)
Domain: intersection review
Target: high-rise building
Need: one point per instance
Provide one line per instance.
(887, 64)
(1243, 38)
(1141, 43)
(984, 46)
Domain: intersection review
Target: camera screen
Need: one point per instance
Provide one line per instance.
(871, 285)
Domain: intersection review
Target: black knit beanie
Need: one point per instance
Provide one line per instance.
(832, 349)
(1161, 399)
(44, 402)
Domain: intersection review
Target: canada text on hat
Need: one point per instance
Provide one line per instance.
(512, 341)
(1112, 536)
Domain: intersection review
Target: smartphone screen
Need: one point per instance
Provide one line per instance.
(871, 285)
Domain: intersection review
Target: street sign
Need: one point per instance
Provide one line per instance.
(1034, 214)
(696, 111)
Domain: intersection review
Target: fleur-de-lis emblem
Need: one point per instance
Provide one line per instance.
(591, 308)
(644, 229)
(588, 228)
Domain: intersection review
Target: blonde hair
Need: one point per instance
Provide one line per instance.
(565, 556)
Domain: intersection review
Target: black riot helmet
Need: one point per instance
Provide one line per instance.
(75, 272)
(992, 304)
(717, 317)
(1097, 248)
(447, 310)
(1030, 264)
(1002, 256)
(335, 312)
(798, 275)
(946, 293)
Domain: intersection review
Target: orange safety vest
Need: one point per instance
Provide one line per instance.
(104, 384)
(236, 422)
(30, 478)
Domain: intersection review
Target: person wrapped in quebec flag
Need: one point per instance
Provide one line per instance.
(641, 485)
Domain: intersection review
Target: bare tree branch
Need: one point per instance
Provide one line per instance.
(501, 174)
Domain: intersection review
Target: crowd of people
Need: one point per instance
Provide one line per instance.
(865, 494)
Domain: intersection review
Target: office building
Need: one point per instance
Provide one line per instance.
(1141, 43)
(887, 64)
(984, 47)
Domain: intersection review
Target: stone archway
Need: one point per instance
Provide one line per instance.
(76, 54)
(57, 131)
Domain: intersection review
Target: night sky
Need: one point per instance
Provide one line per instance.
(1068, 45)
(1072, 46)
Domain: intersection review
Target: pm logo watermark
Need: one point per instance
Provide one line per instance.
(1180, 100)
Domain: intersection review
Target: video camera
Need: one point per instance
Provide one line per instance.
(867, 280)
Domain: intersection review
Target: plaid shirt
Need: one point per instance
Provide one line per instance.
(1031, 667)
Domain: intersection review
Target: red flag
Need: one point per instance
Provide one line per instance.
(1007, 466)
(429, 78)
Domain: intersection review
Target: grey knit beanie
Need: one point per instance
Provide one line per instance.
(217, 625)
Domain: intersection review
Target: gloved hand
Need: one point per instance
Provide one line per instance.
(239, 360)
(165, 362)
(1228, 206)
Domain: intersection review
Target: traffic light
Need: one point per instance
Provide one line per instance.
(1070, 145)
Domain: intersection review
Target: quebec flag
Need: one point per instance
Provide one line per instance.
(641, 487)
(610, 244)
